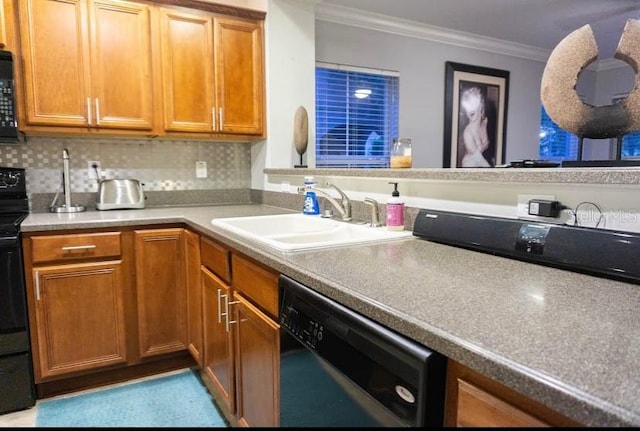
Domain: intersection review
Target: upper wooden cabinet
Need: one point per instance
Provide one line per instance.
(239, 76)
(88, 64)
(212, 73)
(5, 19)
(141, 69)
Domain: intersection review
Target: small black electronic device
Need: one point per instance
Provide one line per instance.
(529, 163)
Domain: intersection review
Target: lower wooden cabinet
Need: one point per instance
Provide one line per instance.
(218, 341)
(474, 400)
(194, 295)
(241, 336)
(79, 317)
(105, 305)
(257, 353)
(161, 291)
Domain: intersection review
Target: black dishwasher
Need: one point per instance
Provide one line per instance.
(341, 369)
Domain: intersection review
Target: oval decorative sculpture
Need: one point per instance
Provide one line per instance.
(558, 88)
(301, 133)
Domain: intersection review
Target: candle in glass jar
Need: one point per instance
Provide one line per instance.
(401, 153)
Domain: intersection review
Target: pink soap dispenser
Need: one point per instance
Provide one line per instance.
(395, 210)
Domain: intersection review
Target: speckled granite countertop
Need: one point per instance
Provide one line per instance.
(568, 340)
(618, 175)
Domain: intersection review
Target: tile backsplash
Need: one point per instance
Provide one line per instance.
(162, 165)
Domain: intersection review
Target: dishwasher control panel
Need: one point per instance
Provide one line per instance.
(301, 326)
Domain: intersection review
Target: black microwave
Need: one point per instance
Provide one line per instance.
(8, 122)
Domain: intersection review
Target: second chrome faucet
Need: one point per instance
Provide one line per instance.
(375, 213)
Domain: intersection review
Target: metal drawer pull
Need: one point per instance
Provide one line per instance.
(220, 118)
(219, 306)
(213, 119)
(78, 247)
(97, 112)
(37, 285)
(88, 111)
(226, 306)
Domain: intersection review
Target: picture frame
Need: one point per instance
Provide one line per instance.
(475, 116)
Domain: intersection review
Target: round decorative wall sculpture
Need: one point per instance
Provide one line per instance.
(558, 89)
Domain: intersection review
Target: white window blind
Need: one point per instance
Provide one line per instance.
(356, 116)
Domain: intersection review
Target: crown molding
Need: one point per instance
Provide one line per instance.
(373, 21)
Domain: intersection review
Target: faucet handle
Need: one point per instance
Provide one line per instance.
(375, 217)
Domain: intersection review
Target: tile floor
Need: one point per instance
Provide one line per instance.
(27, 418)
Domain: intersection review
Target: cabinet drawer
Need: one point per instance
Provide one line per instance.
(256, 283)
(70, 247)
(216, 258)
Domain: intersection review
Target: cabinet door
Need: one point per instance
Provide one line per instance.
(218, 345)
(80, 318)
(473, 400)
(194, 295)
(87, 63)
(257, 351)
(55, 48)
(161, 291)
(239, 76)
(5, 13)
(121, 65)
(187, 70)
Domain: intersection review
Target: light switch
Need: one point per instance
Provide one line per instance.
(201, 169)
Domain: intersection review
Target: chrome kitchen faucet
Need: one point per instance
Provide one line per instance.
(343, 207)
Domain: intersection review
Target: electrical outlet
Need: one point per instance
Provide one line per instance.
(523, 205)
(201, 169)
(91, 171)
(285, 186)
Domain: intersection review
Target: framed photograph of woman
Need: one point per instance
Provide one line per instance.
(475, 116)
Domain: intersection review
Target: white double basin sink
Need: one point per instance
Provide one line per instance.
(296, 232)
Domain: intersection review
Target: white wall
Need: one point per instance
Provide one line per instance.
(421, 64)
(290, 71)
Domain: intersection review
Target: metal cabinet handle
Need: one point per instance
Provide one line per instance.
(220, 118)
(213, 119)
(37, 285)
(226, 313)
(219, 306)
(89, 111)
(78, 247)
(97, 112)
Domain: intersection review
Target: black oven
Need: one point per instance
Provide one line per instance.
(340, 369)
(16, 371)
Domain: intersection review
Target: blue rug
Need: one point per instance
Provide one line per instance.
(177, 400)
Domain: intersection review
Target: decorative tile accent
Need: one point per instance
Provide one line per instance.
(162, 165)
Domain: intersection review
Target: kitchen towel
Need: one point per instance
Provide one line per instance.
(176, 400)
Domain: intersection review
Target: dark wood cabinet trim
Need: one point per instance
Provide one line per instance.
(216, 8)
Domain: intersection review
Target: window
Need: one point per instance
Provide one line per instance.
(356, 116)
(631, 146)
(630, 141)
(558, 144)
